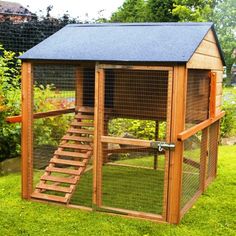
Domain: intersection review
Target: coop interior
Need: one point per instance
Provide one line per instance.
(136, 106)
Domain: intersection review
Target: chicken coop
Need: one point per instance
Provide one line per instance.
(122, 118)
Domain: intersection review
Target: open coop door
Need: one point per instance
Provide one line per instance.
(132, 139)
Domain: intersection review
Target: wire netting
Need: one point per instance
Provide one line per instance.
(133, 177)
(198, 95)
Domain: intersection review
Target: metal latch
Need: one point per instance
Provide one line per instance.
(162, 145)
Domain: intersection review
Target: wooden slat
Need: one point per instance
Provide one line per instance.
(26, 135)
(212, 105)
(67, 162)
(86, 124)
(131, 67)
(208, 48)
(80, 131)
(48, 197)
(71, 154)
(84, 117)
(54, 188)
(18, 119)
(76, 146)
(63, 170)
(58, 179)
(126, 141)
(193, 130)
(77, 138)
(191, 163)
(85, 109)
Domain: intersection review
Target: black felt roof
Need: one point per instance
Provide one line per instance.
(147, 42)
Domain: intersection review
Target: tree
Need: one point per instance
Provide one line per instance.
(160, 11)
(130, 11)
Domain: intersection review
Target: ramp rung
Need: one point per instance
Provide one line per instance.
(58, 179)
(86, 124)
(54, 188)
(80, 131)
(48, 197)
(76, 146)
(77, 138)
(85, 109)
(71, 154)
(84, 117)
(64, 170)
(67, 162)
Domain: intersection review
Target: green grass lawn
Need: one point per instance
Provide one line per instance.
(213, 214)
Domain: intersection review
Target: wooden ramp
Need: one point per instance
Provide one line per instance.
(69, 161)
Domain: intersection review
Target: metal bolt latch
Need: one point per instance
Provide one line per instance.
(162, 145)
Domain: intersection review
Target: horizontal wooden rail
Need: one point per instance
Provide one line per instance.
(193, 130)
(126, 141)
(18, 119)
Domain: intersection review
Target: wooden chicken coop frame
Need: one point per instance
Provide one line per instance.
(178, 82)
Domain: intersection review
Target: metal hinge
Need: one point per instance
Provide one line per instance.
(162, 145)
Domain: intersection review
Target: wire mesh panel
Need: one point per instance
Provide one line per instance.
(135, 107)
(213, 149)
(198, 95)
(191, 167)
(63, 133)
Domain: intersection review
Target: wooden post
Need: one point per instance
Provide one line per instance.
(203, 159)
(176, 156)
(155, 164)
(212, 106)
(79, 87)
(26, 133)
(98, 132)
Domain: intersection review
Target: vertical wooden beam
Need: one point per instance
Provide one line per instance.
(203, 159)
(212, 107)
(79, 87)
(155, 164)
(99, 130)
(26, 132)
(176, 156)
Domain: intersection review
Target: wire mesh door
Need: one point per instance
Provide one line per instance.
(133, 112)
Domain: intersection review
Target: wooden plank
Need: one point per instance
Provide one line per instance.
(79, 86)
(212, 106)
(80, 131)
(84, 117)
(191, 163)
(193, 130)
(218, 100)
(200, 61)
(203, 159)
(76, 146)
(132, 67)
(71, 154)
(54, 188)
(63, 170)
(80, 124)
(58, 179)
(39, 115)
(210, 37)
(27, 134)
(126, 141)
(176, 156)
(77, 138)
(67, 162)
(48, 197)
(208, 48)
(85, 109)
(219, 88)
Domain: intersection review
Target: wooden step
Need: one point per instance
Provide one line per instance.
(84, 117)
(58, 179)
(76, 146)
(48, 197)
(80, 131)
(67, 162)
(85, 124)
(54, 188)
(71, 154)
(77, 138)
(64, 170)
(85, 109)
